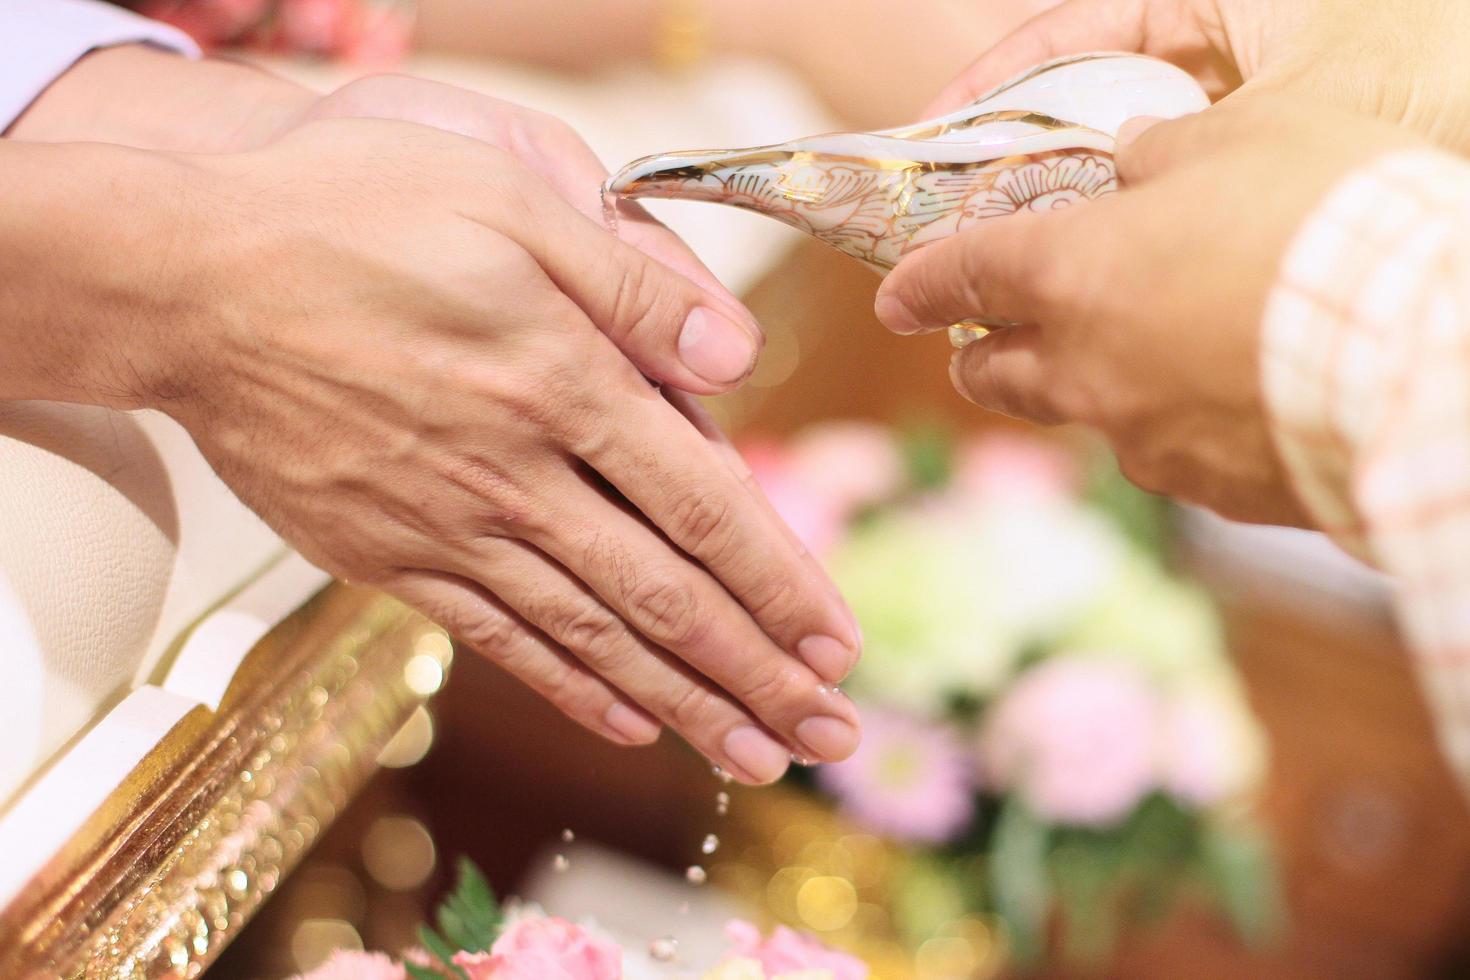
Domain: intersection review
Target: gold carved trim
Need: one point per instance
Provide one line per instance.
(173, 865)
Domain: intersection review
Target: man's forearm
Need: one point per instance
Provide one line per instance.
(136, 95)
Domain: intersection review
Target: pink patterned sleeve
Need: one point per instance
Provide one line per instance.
(1366, 369)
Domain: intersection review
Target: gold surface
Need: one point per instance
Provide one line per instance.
(170, 869)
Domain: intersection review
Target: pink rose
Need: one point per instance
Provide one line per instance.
(349, 965)
(788, 951)
(544, 949)
(1015, 469)
(851, 465)
(812, 517)
(314, 26)
(1077, 738)
(1208, 753)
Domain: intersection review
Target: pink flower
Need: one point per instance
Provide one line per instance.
(909, 779)
(210, 22)
(850, 465)
(1208, 754)
(812, 517)
(544, 949)
(788, 951)
(1014, 469)
(1077, 738)
(350, 965)
(381, 39)
(314, 26)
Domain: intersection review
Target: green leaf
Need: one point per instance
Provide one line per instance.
(1142, 516)
(1087, 876)
(1019, 882)
(1238, 863)
(470, 917)
(441, 951)
(422, 972)
(928, 451)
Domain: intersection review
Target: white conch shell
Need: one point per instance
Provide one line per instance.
(1043, 140)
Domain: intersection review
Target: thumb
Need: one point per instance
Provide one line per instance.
(676, 331)
(1149, 147)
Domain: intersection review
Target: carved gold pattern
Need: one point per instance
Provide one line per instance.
(173, 866)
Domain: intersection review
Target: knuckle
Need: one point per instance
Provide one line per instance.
(629, 306)
(778, 607)
(694, 709)
(702, 524)
(590, 631)
(667, 611)
(492, 635)
(765, 688)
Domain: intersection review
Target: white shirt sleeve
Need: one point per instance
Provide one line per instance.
(41, 39)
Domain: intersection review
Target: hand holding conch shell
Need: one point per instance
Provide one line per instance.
(1351, 53)
(1142, 313)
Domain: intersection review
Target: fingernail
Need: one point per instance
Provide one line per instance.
(636, 728)
(760, 756)
(957, 377)
(831, 659)
(715, 347)
(1131, 130)
(893, 314)
(828, 738)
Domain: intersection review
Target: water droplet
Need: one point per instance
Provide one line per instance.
(710, 844)
(609, 209)
(696, 875)
(722, 803)
(665, 949)
(567, 836)
(802, 760)
(721, 774)
(560, 863)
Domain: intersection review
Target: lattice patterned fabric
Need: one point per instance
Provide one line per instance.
(1367, 374)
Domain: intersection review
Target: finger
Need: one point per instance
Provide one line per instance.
(1075, 27)
(1004, 271)
(669, 327)
(483, 624)
(676, 606)
(714, 514)
(704, 423)
(1006, 372)
(555, 152)
(575, 617)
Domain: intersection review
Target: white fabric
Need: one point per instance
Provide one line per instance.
(43, 38)
(115, 538)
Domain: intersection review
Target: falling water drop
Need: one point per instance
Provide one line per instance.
(721, 774)
(664, 949)
(696, 875)
(722, 803)
(710, 844)
(567, 836)
(560, 863)
(802, 760)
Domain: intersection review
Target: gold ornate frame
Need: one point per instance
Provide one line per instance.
(173, 865)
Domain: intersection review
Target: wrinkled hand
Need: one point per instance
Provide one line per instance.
(1399, 60)
(1142, 310)
(399, 354)
(698, 359)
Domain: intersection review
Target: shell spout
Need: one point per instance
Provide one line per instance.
(684, 176)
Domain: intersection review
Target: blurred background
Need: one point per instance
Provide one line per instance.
(1237, 776)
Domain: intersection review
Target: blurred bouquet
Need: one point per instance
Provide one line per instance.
(478, 939)
(1053, 732)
